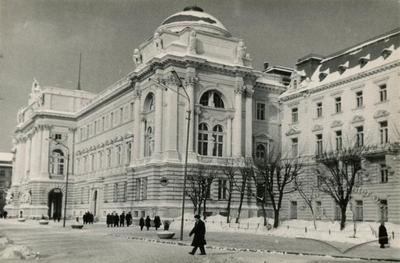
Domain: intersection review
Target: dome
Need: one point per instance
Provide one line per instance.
(196, 18)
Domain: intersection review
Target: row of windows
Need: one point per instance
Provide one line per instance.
(110, 157)
(108, 121)
(359, 102)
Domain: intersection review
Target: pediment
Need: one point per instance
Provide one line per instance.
(381, 114)
(292, 131)
(317, 127)
(336, 124)
(358, 118)
(262, 137)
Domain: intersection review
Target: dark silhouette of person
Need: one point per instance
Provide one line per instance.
(148, 222)
(199, 231)
(128, 219)
(116, 220)
(122, 219)
(383, 236)
(108, 220)
(157, 222)
(141, 223)
(54, 216)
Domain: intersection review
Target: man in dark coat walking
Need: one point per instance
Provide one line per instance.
(122, 219)
(148, 222)
(383, 236)
(141, 223)
(199, 231)
(128, 218)
(157, 222)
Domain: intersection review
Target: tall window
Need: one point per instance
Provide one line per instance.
(203, 139)
(57, 162)
(295, 147)
(100, 156)
(131, 111)
(383, 130)
(319, 144)
(212, 98)
(384, 173)
(359, 210)
(218, 138)
(260, 151)
(359, 99)
(260, 111)
(112, 119)
(339, 140)
(115, 193)
(383, 92)
(128, 152)
(360, 136)
(121, 115)
(118, 153)
(149, 142)
(92, 162)
(103, 122)
(384, 210)
(221, 189)
(319, 109)
(109, 157)
(338, 104)
(295, 115)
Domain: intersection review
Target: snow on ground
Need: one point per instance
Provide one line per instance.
(326, 230)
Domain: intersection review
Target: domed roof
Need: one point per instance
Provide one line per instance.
(196, 18)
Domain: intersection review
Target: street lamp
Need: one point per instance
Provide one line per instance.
(66, 179)
(187, 142)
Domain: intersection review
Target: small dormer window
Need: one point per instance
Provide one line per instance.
(342, 68)
(364, 60)
(58, 136)
(323, 74)
(387, 51)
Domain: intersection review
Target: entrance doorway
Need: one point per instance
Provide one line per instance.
(55, 203)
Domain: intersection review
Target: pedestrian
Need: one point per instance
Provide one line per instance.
(116, 220)
(5, 214)
(122, 219)
(157, 222)
(128, 219)
(141, 223)
(148, 222)
(199, 231)
(108, 220)
(383, 236)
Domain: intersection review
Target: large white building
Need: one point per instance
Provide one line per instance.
(351, 97)
(124, 148)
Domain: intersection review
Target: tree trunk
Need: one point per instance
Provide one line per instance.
(229, 209)
(240, 204)
(276, 218)
(343, 218)
(264, 212)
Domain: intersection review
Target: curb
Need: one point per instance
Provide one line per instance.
(181, 243)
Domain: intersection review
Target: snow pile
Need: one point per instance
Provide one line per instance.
(326, 230)
(17, 252)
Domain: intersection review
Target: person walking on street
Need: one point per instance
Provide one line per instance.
(141, 223)
(199, 232)
(383, 236)
(108, 220)
(157, 222)
(128, 219)
(122, 219)
(148, 222)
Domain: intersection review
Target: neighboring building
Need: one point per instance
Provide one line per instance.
(124, 148)
(6, 162)
(349, 98)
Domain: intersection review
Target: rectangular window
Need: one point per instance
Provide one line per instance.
(318, 209)
(87, 131)
(384, 132)
(121, 115)
(359, 210)
(57, 136)
(131, 110)
(295, 115)
(112, 119)
(103, 122)
(339, 141)
(260, 111)
(360, 136)
(295, 147)
(319, 109)
(359, 99)
(383, 92)
(144, 188)
(384, 173)
(92, 162)
(221, 189)
(319, 144)
(118, 159)
(95, 128)
(128, 152)
(138, 192)
(115, 193)
(100, 154)
(338, 104)
(293, 210)
(384, 210)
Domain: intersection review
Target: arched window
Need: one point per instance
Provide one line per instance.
(202, 148)
(218, 138)
(260, 151)
(149, 102)
(212, 98)
(57, 162)
(149, 142)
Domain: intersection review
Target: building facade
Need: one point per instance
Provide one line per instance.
(349, 98)
(124, 148)
(6, 161)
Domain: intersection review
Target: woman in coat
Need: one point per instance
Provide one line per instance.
(147, 223)
(199, 231)
(383, 236)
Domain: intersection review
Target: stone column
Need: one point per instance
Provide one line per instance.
(137, 125)
(196, 126)
(44, 166)
(229, 136)
(249, 121)
(237, 121)
(158, 122)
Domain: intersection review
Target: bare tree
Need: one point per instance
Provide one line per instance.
(276, 175)
(246, 172)
(337, 171)
(230, 170)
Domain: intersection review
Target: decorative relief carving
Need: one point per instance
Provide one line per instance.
(357, 118)
(249, 91)
(317, 127)
(240, 90)
(336, 124)
(137, 57)
(292, 131)
(381, 114)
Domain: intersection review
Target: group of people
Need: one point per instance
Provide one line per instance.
(88, 218)
(3, 214)
(115, 220)
(147, 222)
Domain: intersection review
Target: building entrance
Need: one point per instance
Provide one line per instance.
(55, 203)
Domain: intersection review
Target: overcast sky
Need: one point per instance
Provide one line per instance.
(42, 39)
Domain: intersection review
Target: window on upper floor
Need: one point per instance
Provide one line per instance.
(260, 111)
(319, 145)
(384, 173)
(111, 119)
(359, 99)
(222, 189)
(149, 142)
(319, 109)
(339, 140)
(121, 115)
(295, 147)
(359, 136)
(295, 115)
(57, 162)
(131, 111)
(218, 140)
(260, 151)
(57, 136)
(212, 98)
(202, 147)
(338, 104)
(383, 92)
(384, 132)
